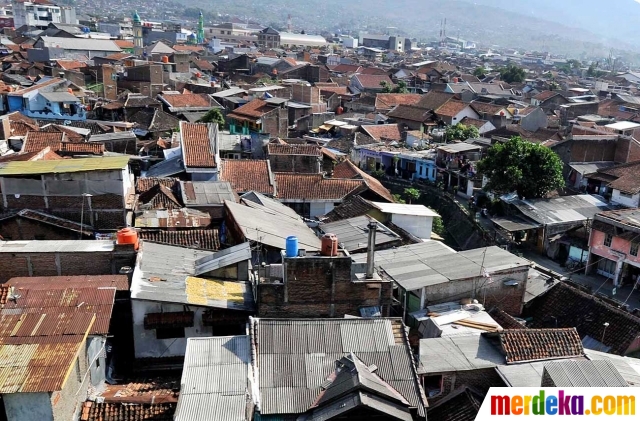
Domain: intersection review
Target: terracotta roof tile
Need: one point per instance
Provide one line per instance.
(345, 68)
(188, 100)
(451, 108)
(384, 101)
(206, 239)
(191, 48)
(504, 319)
(21, 128)
(144, 184)
(36, 141)
(540, 344)
(382, 132)
(315, 187)
(94, 148)
(485, 108)
(71, 135)
(350, 208)
(203, 65)
(252, 110)
(44, 154)
(70, 64)
(545, 95)
(198, 148)
(127, 411)
(372, 81)
(433, 100)
(118, 56)
(248, 175)
(410, 112)
(159, 197)
(557, 307)
(373, 71)
(468, 121)
(124, 43)
(627, 177)
(278, 149)
(345, 168)
(340, 90)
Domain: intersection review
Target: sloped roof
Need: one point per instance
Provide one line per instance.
(85, 44)
(410, 112)
(252, 110)
(248, 175)
(627, 177)
(204, 239)
(372, 81)
(520, 345)
(36, 141)
(349, 208)
(433, 100)
(197, 146)
(451, 108)
(286, 149)
(461, 405)
(187, 100)
(304, 369)
(545, 95)
(347, 169)
(391, 100)
(314, 187)
(53, 220)
(382, 132)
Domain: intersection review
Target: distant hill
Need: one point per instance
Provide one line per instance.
(572, 27)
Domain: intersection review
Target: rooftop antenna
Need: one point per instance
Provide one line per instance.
(289, 23)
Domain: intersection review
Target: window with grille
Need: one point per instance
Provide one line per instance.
(607, 240)
(634, 249)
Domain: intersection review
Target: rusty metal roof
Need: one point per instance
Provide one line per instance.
(119, 282)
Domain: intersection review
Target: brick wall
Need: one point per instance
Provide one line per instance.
(294, 163)
(276, 122)
(320, 287)
(480, 380)
(60, 264)
(305, 94)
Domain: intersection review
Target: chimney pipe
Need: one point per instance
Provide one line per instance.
(373, 226)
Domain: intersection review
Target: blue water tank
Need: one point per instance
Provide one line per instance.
(292, 246)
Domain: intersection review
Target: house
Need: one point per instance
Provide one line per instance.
(48, 99)
(454, 111)
(549, 100)
(619, 183)
(555, 226)
(417, 220)
(57, 143)
(551, 309)
(247, 175)
(386, 102)
(369, 83)
(438, 273)
(311, 195)
(488, 111)
(483, 126)
(383, 132)
(412, 117)
(531, 118)
(260, 117)
(294, 158)
(199, 147)
(613, 245)
(91, 190)
(180, 103)
(347, 169)
(338, 374)
(179, 293)
(50, 336)
(231, 397)
(266, 223)
(152, 123)
(48, 48)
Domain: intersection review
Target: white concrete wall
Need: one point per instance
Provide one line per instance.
(630, 202)
(320, 208)
(420, 226)
(27, 406)
(145, 342)
(467, 112)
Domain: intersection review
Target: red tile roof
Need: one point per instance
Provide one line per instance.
(159, 197)
(345, 68)
(187, 100)
(94, 148)
(71, 135)
(372, 81)
(248, 175)
(545, 95)
(347, 169)
(37, 141)
(292, 186)
(203, 65)
(159, 390)
(504, 319)
(468, 121)
(451, 108)
(279, 149)
(144, 184)
(197, 147)
(44, 154)
(93, 411)
(388, 101)
(124, 43)
(252, 110)
(382, 132)
(484, 108)
(118, 56)
(330, 90)
(205, 239)
(70, 64)
(373, 71)
(540, 344)
(193, 48)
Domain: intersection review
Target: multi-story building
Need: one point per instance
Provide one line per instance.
(40, 13)
(613, 246)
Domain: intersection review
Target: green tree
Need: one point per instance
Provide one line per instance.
(461, 132)
(530, 169)
(214, 115)
(400, 88)
(480, 72)
(412, 194)
(437, 226)
(512, 73)
(398, 198)
(386, 87)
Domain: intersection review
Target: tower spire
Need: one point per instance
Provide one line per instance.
(201, 28)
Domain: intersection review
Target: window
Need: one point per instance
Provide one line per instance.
(633, 250)
(607, 240)
(626, 195)
(170, 332)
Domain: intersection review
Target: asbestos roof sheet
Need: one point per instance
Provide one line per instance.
(513, 223)
(201, 193)
(459, 147)
(270, 227)
(590, 167)
(56, 246)
(404, 209)
(584, 374)
(59, 97)
(522, 375)
(458, 353)
(628, 367)
(295, 358)
(353, 233)
(168, 274)
(215, 379)
(561, 210)
(63, 165)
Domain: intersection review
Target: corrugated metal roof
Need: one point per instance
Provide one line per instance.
(215, 379)
(599, 373)
(63, 165)
(522, 375)
(628, 367)
(353, 233)
(295, 358)
(223, 258)
(168, 274)
(203, 193)
(59, 97)
(560, 210)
